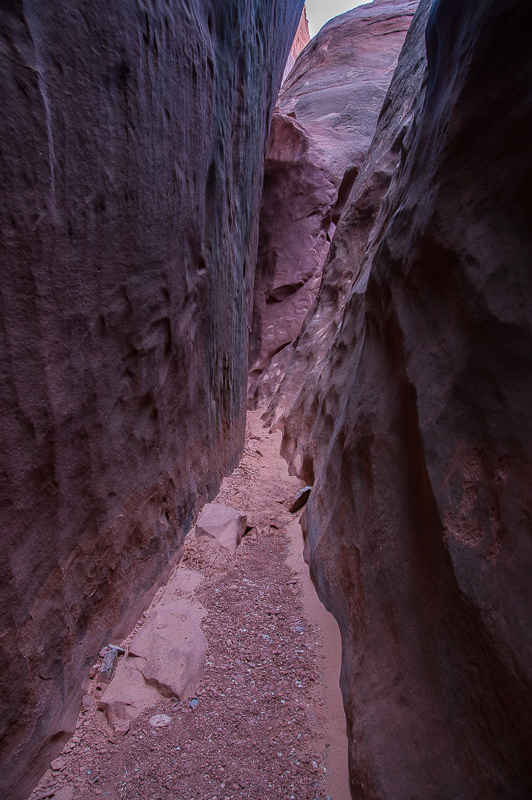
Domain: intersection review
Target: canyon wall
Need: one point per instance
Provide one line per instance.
(301, 39)
(416, 428)
(321, 131)
(132, 144)
(296, 372)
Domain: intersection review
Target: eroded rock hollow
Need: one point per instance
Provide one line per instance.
(132, 144)
(406, 404)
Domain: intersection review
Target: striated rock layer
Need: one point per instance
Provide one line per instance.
(132, 144)
(321, 131)
(418, 431)
(301, 39)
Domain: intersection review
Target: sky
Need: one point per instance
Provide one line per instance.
(321, 11)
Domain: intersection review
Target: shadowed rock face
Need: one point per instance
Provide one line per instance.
(321, 131)
(132, 141)
(418, 433)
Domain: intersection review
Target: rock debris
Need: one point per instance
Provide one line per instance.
(251, 730)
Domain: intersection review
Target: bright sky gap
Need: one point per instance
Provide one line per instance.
(321, 11)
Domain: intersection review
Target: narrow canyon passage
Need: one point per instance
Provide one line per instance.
(266, 720)
(186, 235)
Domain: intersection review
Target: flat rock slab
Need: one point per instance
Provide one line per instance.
(128, 694)
(66, 793)
(183, 582)
(167, 658)
(173, 647)
(160, 720)
(225, 524)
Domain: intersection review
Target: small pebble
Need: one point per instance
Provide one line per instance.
(160, 720)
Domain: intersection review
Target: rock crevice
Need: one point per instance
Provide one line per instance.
(321, 130)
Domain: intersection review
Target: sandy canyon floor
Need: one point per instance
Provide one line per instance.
(266, 720)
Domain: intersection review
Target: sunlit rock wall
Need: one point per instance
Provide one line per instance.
(301, 39)
(132, 139)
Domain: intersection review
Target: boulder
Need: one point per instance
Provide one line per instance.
(166, 658)
(224, 524)
(128, 694)
(173, 648)
(300, 499)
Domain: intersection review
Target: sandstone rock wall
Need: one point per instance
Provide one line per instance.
(418, 432)
(132, 140)
(301, 39)
(321, 131)
(296, 373)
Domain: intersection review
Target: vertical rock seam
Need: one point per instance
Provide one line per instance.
(132, 142)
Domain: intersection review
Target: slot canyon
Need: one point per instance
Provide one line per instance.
(265, 335)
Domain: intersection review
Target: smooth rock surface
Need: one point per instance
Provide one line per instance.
(132, 143)
(65, 793)
(417, 434)
(321, 130)
(173, 647)
(165, 658)
(301, 39)
(226, 525)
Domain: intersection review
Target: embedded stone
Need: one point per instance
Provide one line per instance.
(224, 524)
